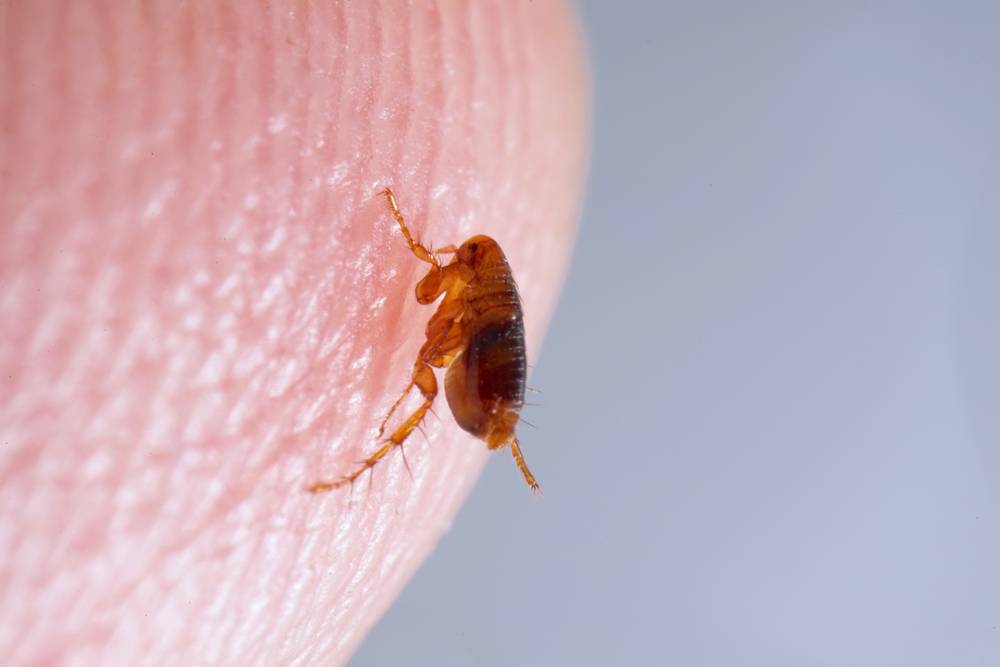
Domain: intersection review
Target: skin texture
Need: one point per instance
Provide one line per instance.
(206, 305)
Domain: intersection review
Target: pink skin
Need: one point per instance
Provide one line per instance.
(205, 305)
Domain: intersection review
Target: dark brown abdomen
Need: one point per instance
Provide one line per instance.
(489, 375)
(498, 350)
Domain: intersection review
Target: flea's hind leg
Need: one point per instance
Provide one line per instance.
(515, 448)
(388, 415)
(369, 463)
(423, 378)
(503, 436)
(440, 336)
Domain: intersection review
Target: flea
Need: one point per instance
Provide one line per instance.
(477, 333)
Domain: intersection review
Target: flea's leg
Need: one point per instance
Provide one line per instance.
(504, 435)
(438, 330)
(515, 448)
(439, 335)
(381, 427)
(423, 378)
(320, 487)
(416, 248)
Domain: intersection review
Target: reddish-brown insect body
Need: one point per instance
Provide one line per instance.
(477, 333)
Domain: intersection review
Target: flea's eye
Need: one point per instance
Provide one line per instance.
(473, 247)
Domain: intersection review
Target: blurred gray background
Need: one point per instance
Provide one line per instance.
(771, 424)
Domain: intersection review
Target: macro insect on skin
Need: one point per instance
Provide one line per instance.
(477, 333)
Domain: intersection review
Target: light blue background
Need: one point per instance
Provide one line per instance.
(771, 412)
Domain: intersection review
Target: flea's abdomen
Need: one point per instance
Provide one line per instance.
(488, 376)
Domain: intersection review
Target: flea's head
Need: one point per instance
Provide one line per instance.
(480, 251)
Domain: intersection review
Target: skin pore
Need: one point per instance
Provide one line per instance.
(206, 305)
